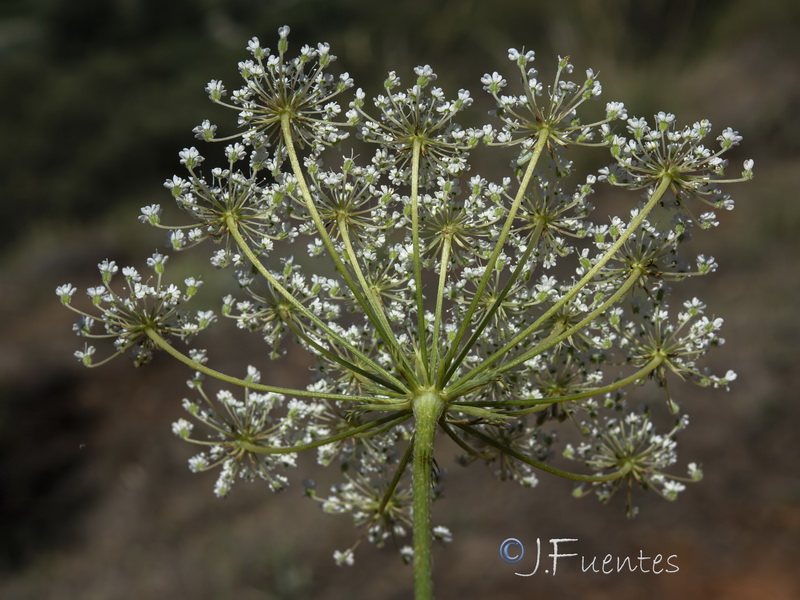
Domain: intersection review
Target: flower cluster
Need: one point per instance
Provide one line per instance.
(229, 194)
(138, 307)
(553, 110)
(278, 93)
(665, 150)
(677, 346)
(248, 439)
(417, 116)
(631, 446)
(435, 301)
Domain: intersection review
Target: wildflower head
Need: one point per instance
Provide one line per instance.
(432, 302)
(677, 345)
(665, 150)
(418, 117)
(285, 96)
(551, 111)
(246, 439)
(234, 194)
(631, 445)
(125, 313)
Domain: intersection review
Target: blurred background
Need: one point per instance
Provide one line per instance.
(96, 501)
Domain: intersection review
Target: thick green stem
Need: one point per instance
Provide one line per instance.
(428, 407)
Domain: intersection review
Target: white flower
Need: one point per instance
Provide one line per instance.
(151, 214)
(182, 428)
(442, 534)
(493, 83)
(198, 463)
(65, 292)
(85, 355)
(216, 90)
(190, 157)
(345, 558)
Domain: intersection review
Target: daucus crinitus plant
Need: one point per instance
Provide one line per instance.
(436, 302)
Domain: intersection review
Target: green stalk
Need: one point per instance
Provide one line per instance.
(464, 445)
(394, 419)
(428, 407)
(544, 466)
(541, 142)
(538, 404)
(387, 335)
(398, 473)
(634, 225)
(464, 384)
(437, 323)
(366, 377)
(233, 228)
(371, 298)
(259, 387)
(550, 342)
(532, 243)
(416, 149)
